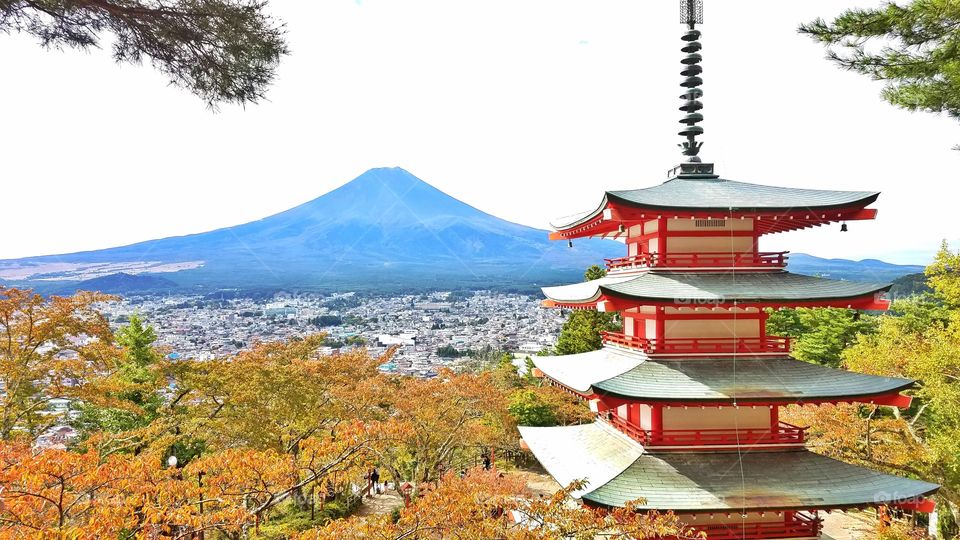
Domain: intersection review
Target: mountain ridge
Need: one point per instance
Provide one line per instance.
(384, 229)
(385, 225)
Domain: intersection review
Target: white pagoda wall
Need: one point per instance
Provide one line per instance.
(716, 418)
(709, 244)
(688, 224)
(700, 328)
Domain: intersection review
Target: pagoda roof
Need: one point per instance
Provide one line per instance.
(721, 195)
(690, 288)
(633, 375)
(710, 481)
(581, 371)
(594, 452)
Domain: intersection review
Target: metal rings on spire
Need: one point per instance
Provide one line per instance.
(691, 13)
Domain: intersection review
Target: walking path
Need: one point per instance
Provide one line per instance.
(848, 525)
(380, 504)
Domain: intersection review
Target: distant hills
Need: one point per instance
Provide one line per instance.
(385, 230)
(864, 270)
(121, 283)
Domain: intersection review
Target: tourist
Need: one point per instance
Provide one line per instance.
(375, 481)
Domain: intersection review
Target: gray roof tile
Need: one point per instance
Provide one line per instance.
(748, 286)
(693, 287)
(729, 481)
(741, 379)
(728, 195)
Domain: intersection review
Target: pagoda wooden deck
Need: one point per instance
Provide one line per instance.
(718, 260)
(711, 346)
(784, 434)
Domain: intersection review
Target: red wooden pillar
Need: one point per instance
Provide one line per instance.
(656, 419)
(633, 413)
(662, 235)
(661, 324)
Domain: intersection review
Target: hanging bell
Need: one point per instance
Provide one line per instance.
(569, 243)
(621, 228)
(843, 227)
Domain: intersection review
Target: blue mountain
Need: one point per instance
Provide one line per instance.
(386, 228)
(862, 270)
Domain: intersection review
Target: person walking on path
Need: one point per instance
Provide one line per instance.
(375, 481)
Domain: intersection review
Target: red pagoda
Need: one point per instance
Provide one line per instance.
(688, 396)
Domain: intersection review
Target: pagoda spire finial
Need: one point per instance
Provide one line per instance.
(691, 14)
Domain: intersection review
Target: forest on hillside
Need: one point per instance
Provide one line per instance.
(274, 442)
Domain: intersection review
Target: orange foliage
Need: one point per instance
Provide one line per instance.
(488, 505)
(49, 349)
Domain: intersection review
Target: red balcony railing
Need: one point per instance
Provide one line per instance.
(783, 434)
(720, 345)
(771, 259)
(796, 526)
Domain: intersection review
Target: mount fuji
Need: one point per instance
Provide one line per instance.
(385, 229)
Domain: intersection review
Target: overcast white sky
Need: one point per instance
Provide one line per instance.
(527, 109)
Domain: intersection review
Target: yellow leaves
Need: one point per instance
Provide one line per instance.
(944, 275)
(49, 348)
(277, 394)
(78, 495)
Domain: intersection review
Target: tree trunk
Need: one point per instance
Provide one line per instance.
(300, 500)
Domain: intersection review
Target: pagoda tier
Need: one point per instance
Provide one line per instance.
(617, 471)
(692, 289)
(618, 377)
(696, 403)
(767, 209)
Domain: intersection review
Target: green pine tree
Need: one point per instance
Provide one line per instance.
(820, 334)
(138, 401)
(914, 47)
(221, 50)
(581, 332)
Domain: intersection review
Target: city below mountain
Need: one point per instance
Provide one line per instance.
(385, 230)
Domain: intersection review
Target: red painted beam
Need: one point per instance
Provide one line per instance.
(892, 399)
(869, 302)
(622, 304)
(922, 505)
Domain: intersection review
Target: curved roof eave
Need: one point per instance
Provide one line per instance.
(865, 201)
(782, 286)
(648, 198)
(714, 481)
(756, 379)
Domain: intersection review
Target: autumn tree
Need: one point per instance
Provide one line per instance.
(912, 46)
(63, 494)
(485, 504)
(50, 349)
(443, 423)
(919, 340)
(60, 494)
(944, 276)
(221, 50)
(280, 397)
